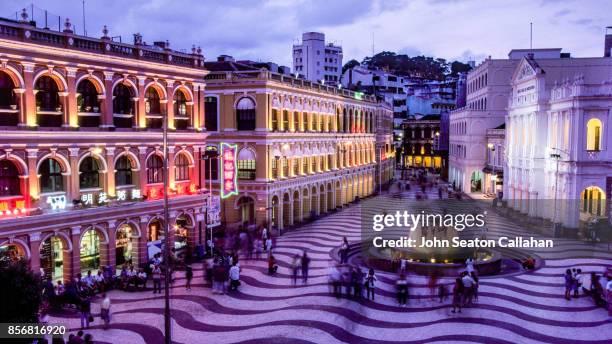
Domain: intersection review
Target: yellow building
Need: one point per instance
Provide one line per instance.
(303, 148)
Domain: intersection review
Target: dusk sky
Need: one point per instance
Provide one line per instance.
(265, 30)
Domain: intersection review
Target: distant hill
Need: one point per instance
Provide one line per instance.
(417, 66)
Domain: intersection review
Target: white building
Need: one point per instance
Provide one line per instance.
(488, 90)
(559, 161)
(316, 60)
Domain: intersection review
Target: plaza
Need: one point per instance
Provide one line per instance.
(520, 307)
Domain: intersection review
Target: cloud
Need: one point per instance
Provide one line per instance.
(266, 29)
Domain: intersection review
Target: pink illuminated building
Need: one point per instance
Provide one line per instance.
(80, 148)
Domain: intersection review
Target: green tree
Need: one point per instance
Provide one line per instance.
(349, 65)
(20, 293)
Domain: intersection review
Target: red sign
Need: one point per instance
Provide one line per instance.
(229, 170)
(13, 207)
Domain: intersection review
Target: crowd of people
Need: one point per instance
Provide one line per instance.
(599, 288)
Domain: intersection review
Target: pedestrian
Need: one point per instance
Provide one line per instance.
(468, 288)
(218, 275)
(474, 276)
(269, 245)
(402, 293)
(105, 310)
(156, 279)
(457, 294)
(469, 265)
(295, 267)
(272, 267)
(305, 264)
(85, 312)
(335, 280)
(442, 292)
(569, 281)
(357, 281)
(577, 281)
(403, 265)
(348, 282)
(234, 275)
(432, 284)
(370, 283)
(88, 339)
(208, 266)
(344, 248)
(188, 276)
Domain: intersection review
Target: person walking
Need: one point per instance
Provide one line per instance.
(156, 275)
(577, 282)
(402, 290)
(370, 281)
(234, 275)
(457, 294)
(344, 248)
(272, 267)
(188, 276)
(295, 267)
(468, 288)
(357, 281)
(85, 312)
(569, 281)
(105, 310)
(305, 265)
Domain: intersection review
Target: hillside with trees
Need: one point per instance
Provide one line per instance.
(404, 65)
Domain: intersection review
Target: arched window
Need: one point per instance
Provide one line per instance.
(47, 97)
(593, 201)
(155, 169)
(181, 116)
(245, 114)
(122, 100)
(9, 179)
(7, 101)
(123, 171)
(89, 173)
(87, 97)
(246, 164)
(274, 118)
(88, 104)
(594, 131)
(152, 102)
(181, 165)
(51, 179)
(48, 105)
(285, 120)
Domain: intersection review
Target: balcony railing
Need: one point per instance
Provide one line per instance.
(257, 75)
(27, 32)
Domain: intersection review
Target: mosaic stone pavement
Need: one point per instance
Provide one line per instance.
(527, 307)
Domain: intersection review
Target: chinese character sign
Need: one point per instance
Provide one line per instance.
(229, 173)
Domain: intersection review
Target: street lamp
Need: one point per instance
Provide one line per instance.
(167, 277)
(556, 156)
(210, 154)
(492, 156)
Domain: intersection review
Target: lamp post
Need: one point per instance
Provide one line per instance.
(556, 156)
(167, 323)
(494, 175)
(209, 156)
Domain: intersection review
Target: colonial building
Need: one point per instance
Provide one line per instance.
(495, 163)
(303, 148)
(557, 139)
(81, 159)
(383, 84)
(488, 88)
(420, 146)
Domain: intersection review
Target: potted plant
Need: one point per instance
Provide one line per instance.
(96, 109)
(13, 107)
(58, 108)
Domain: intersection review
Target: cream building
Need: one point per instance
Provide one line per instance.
(303, 148)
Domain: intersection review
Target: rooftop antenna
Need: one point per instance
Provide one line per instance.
(84, 28)
(372, 43)
(531, 37)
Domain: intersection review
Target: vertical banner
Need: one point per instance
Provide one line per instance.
(229, 173)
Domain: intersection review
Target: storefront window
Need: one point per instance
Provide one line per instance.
(90, 251)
